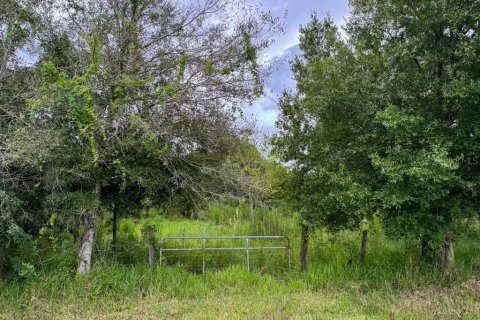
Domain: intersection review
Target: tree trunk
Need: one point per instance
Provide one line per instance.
(363, 249)
(252, 209)
(88, 238)
(448, 256)
(114, 227)
(151, 251)
(304, 248)
(86, 248)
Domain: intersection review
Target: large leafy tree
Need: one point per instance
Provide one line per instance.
(321, 131)
(382, 120)
(137, 99)
(426, 127)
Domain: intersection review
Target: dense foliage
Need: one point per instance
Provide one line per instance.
(116, 114)
(124, 104)
(383, 121)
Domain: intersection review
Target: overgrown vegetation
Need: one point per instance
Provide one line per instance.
(126, 127)
(380, 125)
(391, 284)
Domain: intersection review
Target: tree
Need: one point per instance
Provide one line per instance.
(382, 119)
(145, 100)
(321, 130)
(424, 127)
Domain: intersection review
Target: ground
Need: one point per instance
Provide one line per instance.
(393, 283)
(233, 299)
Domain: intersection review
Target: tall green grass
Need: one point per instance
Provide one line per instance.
(217, 220)
(334, 292)
(122, 275)
(333, 258)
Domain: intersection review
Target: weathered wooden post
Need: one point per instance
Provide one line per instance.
(363, 249)
(149, 234)
(304, 247)
(448, 256)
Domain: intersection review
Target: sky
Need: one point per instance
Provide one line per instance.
(285, 47)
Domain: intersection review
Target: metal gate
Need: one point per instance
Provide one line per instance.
(249, 246)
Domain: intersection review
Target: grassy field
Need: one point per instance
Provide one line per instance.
(392, 285)
(138, 292)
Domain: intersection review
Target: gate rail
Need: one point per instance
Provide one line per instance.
(247, 247)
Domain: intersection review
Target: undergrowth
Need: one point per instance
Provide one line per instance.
(121, 274)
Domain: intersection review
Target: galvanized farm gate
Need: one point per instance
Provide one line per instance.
(285, 245)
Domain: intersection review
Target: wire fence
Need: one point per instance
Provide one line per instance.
(214, 249)
(132, 248)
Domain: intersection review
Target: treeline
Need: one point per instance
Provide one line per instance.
(383, 124)
(111, 106)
